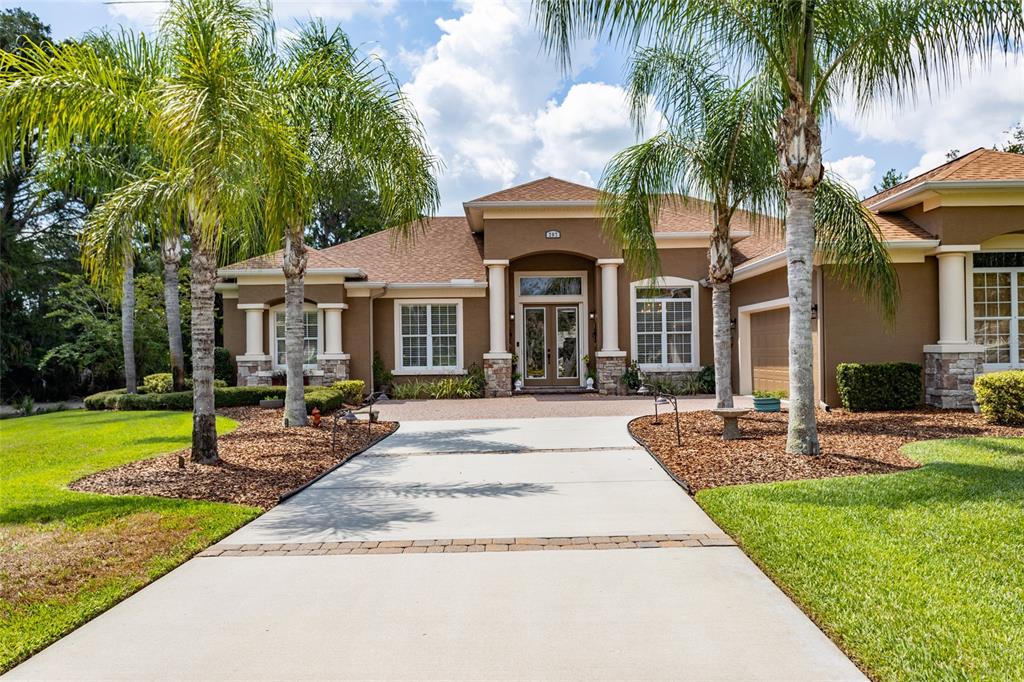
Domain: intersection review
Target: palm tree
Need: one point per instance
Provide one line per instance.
(221, 157)
(128, 323)
(717, 145)
(170, 254)
(814, 51)
(353, 121)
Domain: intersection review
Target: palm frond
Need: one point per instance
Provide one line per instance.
(848, 238)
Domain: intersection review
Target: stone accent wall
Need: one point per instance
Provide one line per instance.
(253, 372)
(498, 375)
(949, 379)
(333, 370)
(609, 375)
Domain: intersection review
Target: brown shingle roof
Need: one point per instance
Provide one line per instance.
(980, 164)
(687, 214)
(545, 189)
(318, 260)
(442, 250)
(897, 227)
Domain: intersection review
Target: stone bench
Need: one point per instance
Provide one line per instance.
(731, 415)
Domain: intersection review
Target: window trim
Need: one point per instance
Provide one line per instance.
(401, 370)
(307, 307)
(675, 283)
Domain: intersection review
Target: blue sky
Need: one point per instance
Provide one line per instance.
(499, 111)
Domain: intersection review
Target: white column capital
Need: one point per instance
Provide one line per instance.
(496, 263)
(253, 306)
(332, 306)
(610, 262)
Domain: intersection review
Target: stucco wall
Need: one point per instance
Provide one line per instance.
(968, 224)
(855, 331)
(233, 327)
(514, 238)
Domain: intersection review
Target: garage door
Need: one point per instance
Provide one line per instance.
(769, 350)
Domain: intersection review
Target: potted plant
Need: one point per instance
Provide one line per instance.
(632, 378)
(591, 376)
(271, 403)
(768, 401)
(517, 381)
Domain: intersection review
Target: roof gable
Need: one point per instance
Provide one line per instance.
(980, 164)
(544, 189)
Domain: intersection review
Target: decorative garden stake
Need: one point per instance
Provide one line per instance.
(315, 414)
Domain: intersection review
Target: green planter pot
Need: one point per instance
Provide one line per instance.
(767, 404)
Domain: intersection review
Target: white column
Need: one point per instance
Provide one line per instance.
(952, 298)
(332, 329)
(253, 328)
(498, 304)
(609, 303)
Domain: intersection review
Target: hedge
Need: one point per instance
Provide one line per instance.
(351, 389)
(323, 397)
(885, 386)
(163, 382)
(1001, 397)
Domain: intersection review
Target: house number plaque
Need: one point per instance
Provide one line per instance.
(552, 234)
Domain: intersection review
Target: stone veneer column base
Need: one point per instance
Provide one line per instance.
(333, 368)
(610, 368)
(498, 375)
(253, 371)
(949, 373)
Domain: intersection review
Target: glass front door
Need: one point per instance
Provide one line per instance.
(551, 343)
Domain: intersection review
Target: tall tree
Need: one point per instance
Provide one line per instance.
(890, 179)
(223, 159)
(355, 125)
(814, 50)
(170, 255)
(717, 145)
(128, 323)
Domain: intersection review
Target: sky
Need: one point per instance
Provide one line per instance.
(499, 110)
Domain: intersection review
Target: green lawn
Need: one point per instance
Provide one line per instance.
(68, 556)
(917, 575)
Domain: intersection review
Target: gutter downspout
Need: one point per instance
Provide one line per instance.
(373, 298)
(822, 364)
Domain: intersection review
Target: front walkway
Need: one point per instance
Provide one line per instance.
(378, 592)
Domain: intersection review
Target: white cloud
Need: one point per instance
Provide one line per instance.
(973, 113)
(857, 170)
(487, 95)
(584, 130)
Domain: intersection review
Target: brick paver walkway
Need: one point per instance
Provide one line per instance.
(459, 545)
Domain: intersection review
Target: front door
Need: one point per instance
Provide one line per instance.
(551, 345)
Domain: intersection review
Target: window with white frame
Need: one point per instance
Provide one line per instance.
(664, 330)
(999, 307)
(310, 338)
(429, 335)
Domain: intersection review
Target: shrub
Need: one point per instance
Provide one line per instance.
(327, 399)
(632, 378)
(351, 390)
(105, 400)
(158, 383)
(223, 367)
(1001, 397)
(382, 378)
(439, 389)
(885, 386)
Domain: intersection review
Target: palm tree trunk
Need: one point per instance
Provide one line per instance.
(128, 323)
(294, 267)
(204, 417)
(720, 273)
(171, 255)
(801, 170)
(802, 438)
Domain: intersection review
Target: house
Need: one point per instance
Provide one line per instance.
(524, 284)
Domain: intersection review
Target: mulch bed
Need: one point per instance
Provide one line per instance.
(851, 443)
(260, 461)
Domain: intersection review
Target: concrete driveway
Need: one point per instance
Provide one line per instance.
(396, 590)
